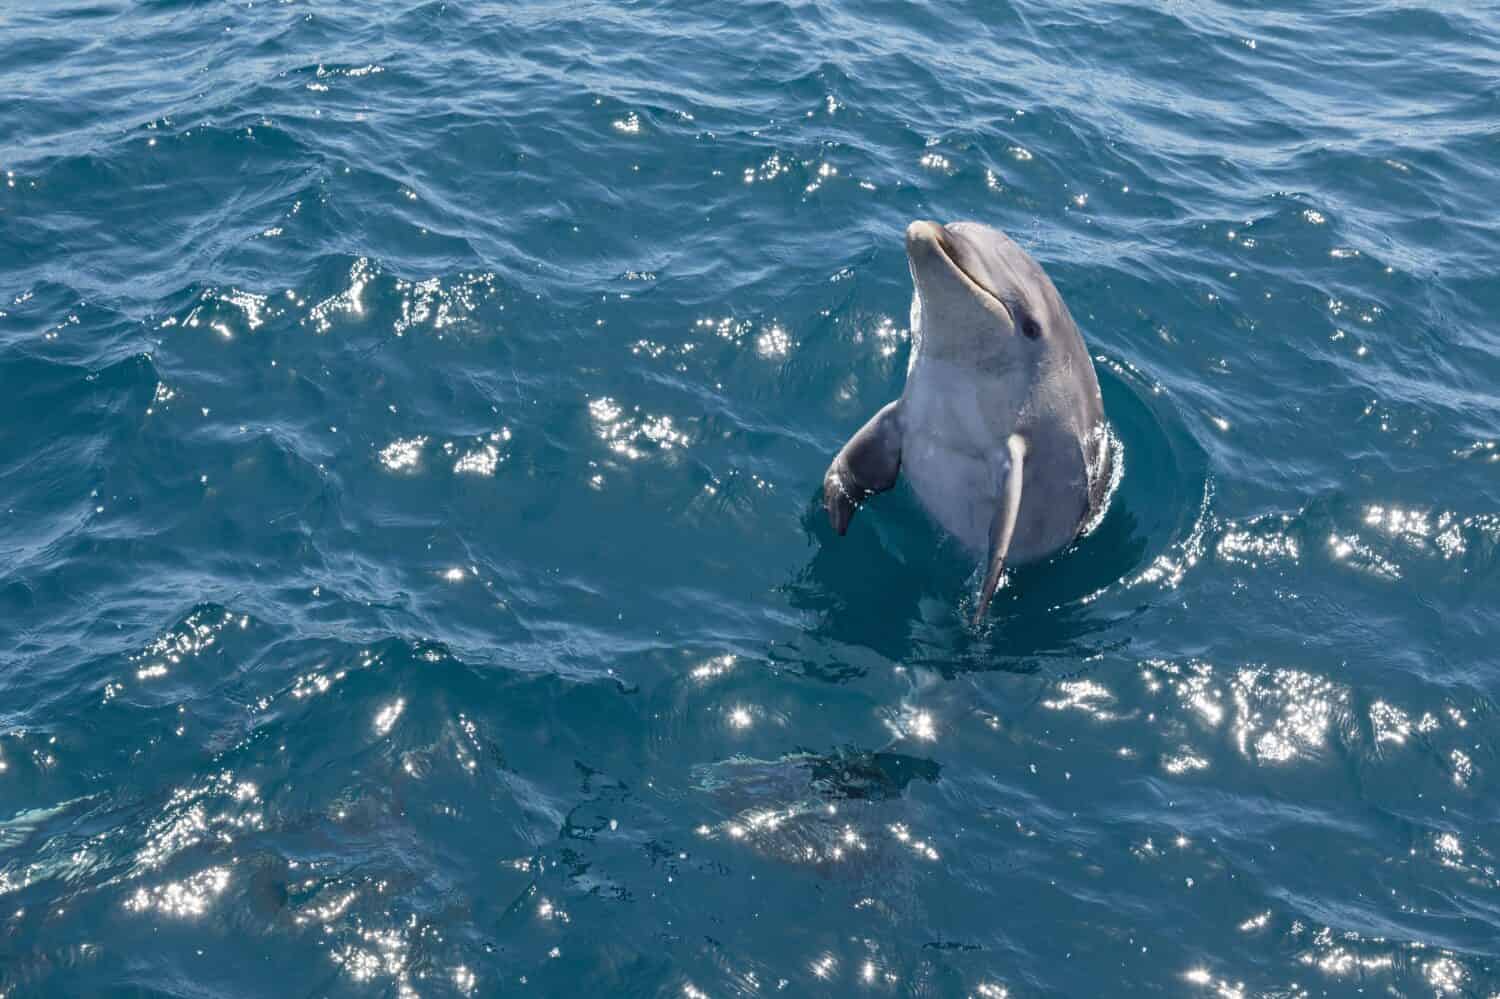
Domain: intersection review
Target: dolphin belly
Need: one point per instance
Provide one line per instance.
(955, 485)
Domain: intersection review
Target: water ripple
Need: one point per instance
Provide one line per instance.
(410, 424)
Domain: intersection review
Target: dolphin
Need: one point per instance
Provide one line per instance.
(1000, 428)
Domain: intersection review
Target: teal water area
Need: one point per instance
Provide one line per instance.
(412, 418)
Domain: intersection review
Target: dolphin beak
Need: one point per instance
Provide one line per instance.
(935, 263)
(924, 238)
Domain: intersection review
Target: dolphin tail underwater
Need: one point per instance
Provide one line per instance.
(1000, 427)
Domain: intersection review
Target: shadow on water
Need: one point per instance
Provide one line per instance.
(845, 774)
(897, 587)
(869, 776)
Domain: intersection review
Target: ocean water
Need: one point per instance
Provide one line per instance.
(412, 417)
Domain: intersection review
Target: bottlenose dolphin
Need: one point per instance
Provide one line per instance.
(1000, 429)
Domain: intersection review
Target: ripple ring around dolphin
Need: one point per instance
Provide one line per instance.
(1073, 604)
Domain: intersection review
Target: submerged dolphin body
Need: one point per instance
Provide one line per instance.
(1000, 429)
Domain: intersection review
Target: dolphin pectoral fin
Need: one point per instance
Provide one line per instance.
(868, 464)
(1003, 527)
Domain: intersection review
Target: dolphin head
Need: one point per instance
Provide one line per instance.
(977, 295)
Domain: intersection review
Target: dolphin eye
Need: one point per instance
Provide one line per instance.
(1025, 322)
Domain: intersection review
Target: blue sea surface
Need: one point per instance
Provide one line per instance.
(412, 578)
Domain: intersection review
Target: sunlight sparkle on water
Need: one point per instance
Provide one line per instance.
(624, 434)
(378, 952)
(1303, 709)
(385, 718)
(1390, 723)
(350, 301)
(188, 897)
(1184, 763)
(403, 454)
(1087, 696)
(913, 723)
(1249, 548)
(773, 342)
(1256, 922)
(482, 461)
(1463, 767)
(715, 667)
(1446, 976)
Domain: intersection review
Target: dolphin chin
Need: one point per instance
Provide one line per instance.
(997, 433)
